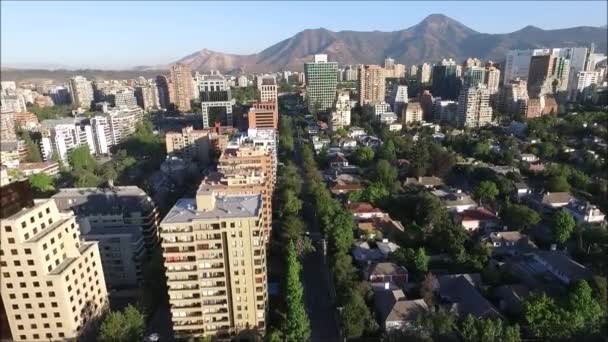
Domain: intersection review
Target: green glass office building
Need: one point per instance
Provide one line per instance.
(321, 81)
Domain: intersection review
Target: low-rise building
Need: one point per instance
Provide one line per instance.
(556, 199)
(386, 272)
(475, 219)
(395, 312)
(585, 212)
(460, 292)
(454, 200)
(426, 182)
(50, 168)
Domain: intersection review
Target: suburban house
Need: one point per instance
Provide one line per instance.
(509, 242)
(386, 272)
(560, 265)
(345, 184)
(364, 210)
(460, 294)
(529, 157)
(426, 182)
(338, 161)
(49, 167)
(474, 219)
(455, 200)
(363, 253)
(376, 227)
(395, 311)
(355, 132)
(585, 212)
(522, 189)
(556, 199)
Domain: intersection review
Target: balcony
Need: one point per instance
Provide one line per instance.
(170, 260)
(182, 288)
(186, 306)
(214, 275)
(190, 278)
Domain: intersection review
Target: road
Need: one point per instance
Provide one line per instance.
(318, 297)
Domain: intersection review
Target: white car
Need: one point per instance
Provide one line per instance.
(152, 338)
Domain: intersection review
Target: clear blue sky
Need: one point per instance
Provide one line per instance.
(125, 34)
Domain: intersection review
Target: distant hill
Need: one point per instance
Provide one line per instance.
(62, 75)
(436, 37)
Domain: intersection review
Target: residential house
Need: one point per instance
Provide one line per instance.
(356, 132)
(522, 189)
(376, 227)
(338, 161)
(460, 294)
(426, 182)
(474, 219)
(386, 272)
(364, 210)
(585, 212)
(50, 168)
(556, 199)
(364, 253)
(509, 242)
(395, 312)
(560, 265)
(455, 199)
(529, 157)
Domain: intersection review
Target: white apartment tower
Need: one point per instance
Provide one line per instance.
(474, 107)
(340, 116)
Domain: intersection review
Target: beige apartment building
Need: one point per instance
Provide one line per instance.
(215, 261)
(52, 283)
(181, 86)
(197, 144)
(247, 158)
(371, 85)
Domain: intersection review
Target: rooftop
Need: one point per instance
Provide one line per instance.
(225, 207)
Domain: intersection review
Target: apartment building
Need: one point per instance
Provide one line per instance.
(123, 122)
(258, 149)
(119, 206)
(215, 93)
(474, 107)
(52, 283)
(82, 92)
(340, 116)
(514, 97)
(215, 262)
(263, 115)
(371, 85)
(181, 86)
(197, 144)
(268, 89)
(147, 96)
(412, 113)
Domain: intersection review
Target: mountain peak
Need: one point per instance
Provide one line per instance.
(436, 17)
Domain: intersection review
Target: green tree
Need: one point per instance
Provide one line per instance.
(42, 183)
(558, 184)
(291, 204)
(108, 172)
(586, 313)
(292, 227)
(355, 316)
(375, 193)
(297, 325)
(421, 260)
(33, 150)
(385, 173)
(545, 319)
(363, 156)
(388, 151)
(485, 191)
(517, 216)
(341, 232)
(437, 324)
(563, 226)
(80, 159)
(123, 326)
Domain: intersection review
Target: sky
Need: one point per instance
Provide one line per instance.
(120, 35)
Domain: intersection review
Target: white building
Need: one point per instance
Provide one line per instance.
(518, 63)
(340, 116)
(492, 80)
(474, 107)
(425, 73)
(242, 81)
(399, 98)
(102, 134)
(581, 85)
(381, 108)
(267, 87)
(413, 113)
(124, 96)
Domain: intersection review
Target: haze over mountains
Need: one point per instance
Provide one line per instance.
(437, 36)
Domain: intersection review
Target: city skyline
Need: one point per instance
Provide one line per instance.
(134, 41)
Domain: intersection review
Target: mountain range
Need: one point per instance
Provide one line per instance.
(434, 38)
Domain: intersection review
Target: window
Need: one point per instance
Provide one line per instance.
(26, 296)
(30, 316)
(22, 285)
(52, 294)
(59, 325)
(28, 306)
(30, 262)
(15, 306)
(17, 317)
(41, 305)
(11, 240)
(8, 229)
(44, 246)
(9, 286)
(28, 251)
(26, 236)
(19, 274)
(36, 336)
(44, 315)
(56, 314)
(6, 274)
(46, 325)
(36, 284)
(14, 252)
(54, 304)
(12, 296)
(20, 327)
(49, 283)
(17, 263)
(48, 210)
(38, 294)
(33, 273)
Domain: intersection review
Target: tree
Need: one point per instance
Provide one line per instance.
(563, 226)
(388, 151)
(518, 216)
(374, 193)
(545, 319)
(488, 330)
(438, 324)
(42, 183)
(297, 325)
(421, 260)
(363, 156)
(108, 172)
(486, 190)
(123, 326)
(80, 159)
(558, 184)
(585, 312)
(385, 173)
(427, 289)
(291, 204)
(33, 150)
(355, 316)
(292, 227)
(341, 232)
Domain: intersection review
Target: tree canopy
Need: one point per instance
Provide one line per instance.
(123, 326)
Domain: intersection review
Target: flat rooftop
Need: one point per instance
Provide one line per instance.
(235, 206)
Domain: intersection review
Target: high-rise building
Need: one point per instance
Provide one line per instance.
(474, 107)
(445, 111)
(52, 283)
(413, 70)
(267, 88)
(517, 64)
(82, 92)
(514, 97)
(321, 82)
(372, 86)
(412, 113)
(389, 63)
(124, 97)
(351, 73)
(215, 262)
(540, 69)
(181, 84)
(473, 76)
(340, 116)
(263, 115)
(398, 98)
(582, 85)
(162, 84)
(445, 81)
(216, 95)
(147, 96)
(424, 73)
(195, 144)
(492, 79)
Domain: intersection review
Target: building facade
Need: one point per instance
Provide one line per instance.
(321, 82)
(81, 91)
(474, 107)
(372, 86)
(181, 85)
(340, 116)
